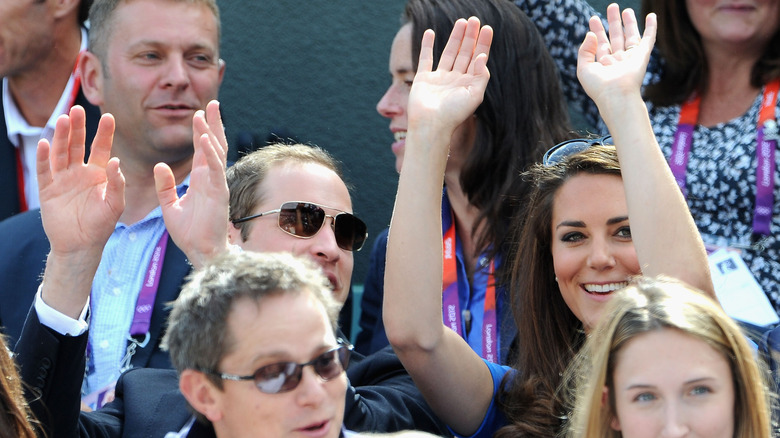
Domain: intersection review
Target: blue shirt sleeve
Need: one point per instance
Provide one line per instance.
(494, 418)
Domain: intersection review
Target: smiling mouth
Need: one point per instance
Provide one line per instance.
(399, 135)
(175, 107)
(603, 289)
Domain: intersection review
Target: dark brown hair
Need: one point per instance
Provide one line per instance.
(522, 114)
(549, 333)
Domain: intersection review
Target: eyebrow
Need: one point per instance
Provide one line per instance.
(404, 70)
(687, 382)
(581, 224)
(164, 44)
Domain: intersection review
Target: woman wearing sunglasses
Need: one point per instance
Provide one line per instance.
(523, 112)
(581, 240)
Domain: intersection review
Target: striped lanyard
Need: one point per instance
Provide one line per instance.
(451, 312)
(766, 141)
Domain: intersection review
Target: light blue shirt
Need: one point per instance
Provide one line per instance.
(115, 291)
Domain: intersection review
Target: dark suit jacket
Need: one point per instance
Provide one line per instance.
(9, 199)
(23, 250)
(149, 404)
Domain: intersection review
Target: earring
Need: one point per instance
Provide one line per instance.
(556, 278)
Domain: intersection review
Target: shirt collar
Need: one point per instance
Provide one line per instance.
(16, 124)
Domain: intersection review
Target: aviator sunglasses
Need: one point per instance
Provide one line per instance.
(305, 219)
(565, 149)
(285, 376)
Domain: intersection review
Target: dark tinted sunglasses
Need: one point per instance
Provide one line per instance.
(285, 376)
(305, 219)
(560, 151)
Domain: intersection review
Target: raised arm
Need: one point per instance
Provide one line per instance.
(611, 70)
(453, 379)
(80, 206)
(197, 221)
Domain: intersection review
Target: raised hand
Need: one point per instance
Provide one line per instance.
(80, 206)
(608, 66)
(80, 203)
(198, 221)
(453, 91)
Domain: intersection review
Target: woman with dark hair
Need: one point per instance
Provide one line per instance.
(591, 224)
(711, 88)
(522, 113)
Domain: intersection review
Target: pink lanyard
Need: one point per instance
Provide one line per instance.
(451, 312)
(766, 140)
(142, 314)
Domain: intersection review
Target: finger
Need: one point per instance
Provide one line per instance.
(597, 28)
(216, 165)
(199, 126)
(648, 37)
(115, 187)
(616, 39)
(425, 63)
(58, 152)
(77, 136)
(42, 164)
(587, 52)
(165, 185)
(452, 47)
(631, 29)
(485, 41)
(214, 118)
(104, 138)
(466, 52)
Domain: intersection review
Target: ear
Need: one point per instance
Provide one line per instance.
(615, 423)
(234, 234)
(221, 64)
(92, 78)
(201, 394)
(63, 8)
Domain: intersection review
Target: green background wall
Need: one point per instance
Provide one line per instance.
(315, 69)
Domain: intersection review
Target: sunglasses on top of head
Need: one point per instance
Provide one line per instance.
(305, 220)
(567, 148)
(285, 376)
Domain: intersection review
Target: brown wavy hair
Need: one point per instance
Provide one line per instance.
(549, 333)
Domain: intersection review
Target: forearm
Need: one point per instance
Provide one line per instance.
(67, 280)
(665, 236)
(413, 272)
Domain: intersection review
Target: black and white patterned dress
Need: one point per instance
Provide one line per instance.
(721, 174)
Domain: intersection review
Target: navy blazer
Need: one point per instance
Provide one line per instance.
(148, 401)
(23, 251)
(9, 200)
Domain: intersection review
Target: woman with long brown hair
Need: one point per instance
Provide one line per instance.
(581, 241)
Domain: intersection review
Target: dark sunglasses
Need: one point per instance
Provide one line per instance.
(565, 149)
(285, 376)
(305, 219)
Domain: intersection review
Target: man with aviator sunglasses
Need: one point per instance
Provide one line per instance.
(383, 397)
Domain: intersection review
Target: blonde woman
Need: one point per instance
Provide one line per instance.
(666, 361)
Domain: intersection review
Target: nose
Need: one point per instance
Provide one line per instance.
(176, 73)
(601, 255)
(324, 246)
(311, 390)
(388, 105)
(674, 424)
